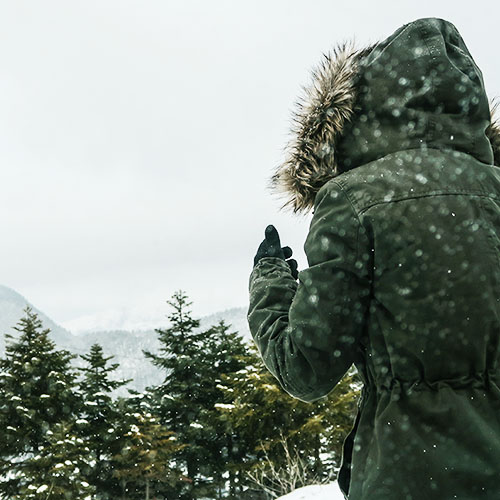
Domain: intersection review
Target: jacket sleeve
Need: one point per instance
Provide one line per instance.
(308, 333)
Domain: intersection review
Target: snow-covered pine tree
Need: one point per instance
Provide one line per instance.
(37, 391)
(180, 398)
(99, 419)
(224, 354)
(56, 471)
(193, 361)
(144, 466)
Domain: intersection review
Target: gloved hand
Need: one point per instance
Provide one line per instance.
(271, 247)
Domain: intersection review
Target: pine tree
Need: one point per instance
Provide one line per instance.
(56, 470)
(36, 392)
(270, 424)
(99, 419)
(145, 463)
(193, 362)
(332, 421)
(180, 398)
(224, 355)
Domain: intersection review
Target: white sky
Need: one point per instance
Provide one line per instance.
(137, 138)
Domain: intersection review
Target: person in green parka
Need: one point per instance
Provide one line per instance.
(396, 152)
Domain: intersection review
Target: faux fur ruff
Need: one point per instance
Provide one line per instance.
(493, 131)
(318, 121)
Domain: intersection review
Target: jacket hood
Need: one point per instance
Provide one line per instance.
(419, 88)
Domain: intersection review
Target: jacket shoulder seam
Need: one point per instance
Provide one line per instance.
(426, 194)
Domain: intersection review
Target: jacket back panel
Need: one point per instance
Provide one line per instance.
(431, 348)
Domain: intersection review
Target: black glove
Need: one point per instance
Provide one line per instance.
(271, 247)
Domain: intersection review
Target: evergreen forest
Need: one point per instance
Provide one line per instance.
(217, 427)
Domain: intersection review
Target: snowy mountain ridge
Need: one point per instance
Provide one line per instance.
(11, 311)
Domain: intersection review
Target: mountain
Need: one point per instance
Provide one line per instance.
(12, 305)
(125, 345)
(236, 317)
(136, 318)
(129, 318)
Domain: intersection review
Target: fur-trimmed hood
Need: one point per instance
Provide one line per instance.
(342, 119)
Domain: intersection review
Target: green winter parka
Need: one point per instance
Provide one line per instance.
(396, 152)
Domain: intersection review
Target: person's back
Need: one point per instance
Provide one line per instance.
(404, 266)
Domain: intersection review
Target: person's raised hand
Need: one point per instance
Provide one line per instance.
(271, 247)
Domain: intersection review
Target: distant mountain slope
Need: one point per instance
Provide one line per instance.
(125, 345)
(138, 319)
(236, 317)
(12, 305)
(127, 348)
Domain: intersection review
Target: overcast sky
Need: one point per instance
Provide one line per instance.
(137, 138)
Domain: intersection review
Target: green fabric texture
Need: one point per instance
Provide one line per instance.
(421, 85)
(403, 279)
